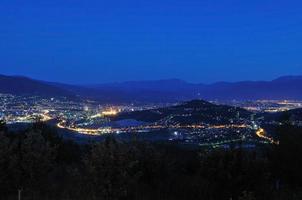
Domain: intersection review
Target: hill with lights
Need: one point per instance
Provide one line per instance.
(192, 112)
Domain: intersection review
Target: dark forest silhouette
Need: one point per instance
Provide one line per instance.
(41, 165)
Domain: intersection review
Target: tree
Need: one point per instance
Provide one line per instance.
(3, 126)
(286, 159)
(247, 196)
(109, 170)
(4, 164)
(33, 163)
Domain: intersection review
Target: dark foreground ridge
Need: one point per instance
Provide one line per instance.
(39, 164)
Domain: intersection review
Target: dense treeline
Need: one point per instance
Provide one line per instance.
(39, 164)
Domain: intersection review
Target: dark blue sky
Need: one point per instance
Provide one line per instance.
(92, 41)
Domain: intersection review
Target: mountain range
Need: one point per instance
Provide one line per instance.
(171, 90)
(19, 85)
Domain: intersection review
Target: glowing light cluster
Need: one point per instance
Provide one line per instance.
(262, 134)
(110, 112)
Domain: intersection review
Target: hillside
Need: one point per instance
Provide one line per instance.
(192, 112)
(25, 86)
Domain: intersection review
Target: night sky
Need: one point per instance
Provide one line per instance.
(96, 41)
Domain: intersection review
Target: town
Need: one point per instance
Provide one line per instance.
(95, 119)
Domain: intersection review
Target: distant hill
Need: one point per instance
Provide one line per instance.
(288, 87)
(25, 86)
(292, 115)
(192, 112)
(172, 90)
(157, 85)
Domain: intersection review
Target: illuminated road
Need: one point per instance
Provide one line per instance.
(150, 128)
(262, 134)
